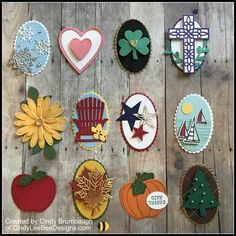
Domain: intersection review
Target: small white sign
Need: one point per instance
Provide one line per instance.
(157, 200)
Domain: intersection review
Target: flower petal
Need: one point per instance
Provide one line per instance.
(99, 127)
(32, 130)
(56, 135)
(42, 143)
(31, 105)
(39, 111)
(22, 116)
(46, 104)
(24, 130)
(40, 101)
(48, 128)
(55, 105)
(93, 129)
(57, 127)
(40, 130)
(26, 138)
(34, 138)
(51, 120)
(48, 137)
(96, 136)
(62, 119)
(54, 113)
(27, 110)
(126, 48)
(102, 138)
(24, 122)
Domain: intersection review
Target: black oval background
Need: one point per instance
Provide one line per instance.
(192, 214)
(127, 62)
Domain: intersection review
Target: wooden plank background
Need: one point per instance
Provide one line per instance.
(160, 80)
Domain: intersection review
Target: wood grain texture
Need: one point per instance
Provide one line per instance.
(160, 80)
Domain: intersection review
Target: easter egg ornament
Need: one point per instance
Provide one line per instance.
(80, 48)
(31, 48)
(199, 194)
(91, 189)
(132, 46)
(187, 44)
(193, 123)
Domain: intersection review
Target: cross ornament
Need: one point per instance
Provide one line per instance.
(189, 34)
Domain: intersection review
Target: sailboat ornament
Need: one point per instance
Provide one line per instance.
(191, 136)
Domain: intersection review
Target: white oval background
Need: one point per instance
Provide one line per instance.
(157, 196)
(147, 138)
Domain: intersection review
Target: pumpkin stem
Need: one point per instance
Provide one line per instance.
(138, 175)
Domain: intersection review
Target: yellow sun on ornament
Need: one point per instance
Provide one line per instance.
(187, 108)
(40, 122)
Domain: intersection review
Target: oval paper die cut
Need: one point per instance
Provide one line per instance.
(206, 193)
(90, 121)
(138, 122)
(31, 48)
(193, 123)
(81, 60)
(132, 46)
(157, 200)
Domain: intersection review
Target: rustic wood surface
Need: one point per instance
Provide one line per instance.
(161, 81)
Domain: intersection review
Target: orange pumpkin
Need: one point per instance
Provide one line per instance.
(133, 196)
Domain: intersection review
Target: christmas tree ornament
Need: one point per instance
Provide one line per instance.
(199, 199)
(91, 188)
(193, 124)
(81, 48)
(146, 197)
(33, 193)
(132, 46)
(90, 121)
(31, 48)
(138, 121)
(40, 123)
(187, 44)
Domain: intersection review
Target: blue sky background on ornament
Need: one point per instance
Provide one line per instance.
(32, 47)
(86, 139)
(188, 44)
(193, 123)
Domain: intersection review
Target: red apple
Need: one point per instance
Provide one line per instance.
(36, 196)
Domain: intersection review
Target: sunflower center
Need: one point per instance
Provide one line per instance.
(133, 42)
(39, 121)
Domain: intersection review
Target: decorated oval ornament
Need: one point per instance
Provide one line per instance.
(132, 46)
(90, 121)
(193, 123)
(91, 189)
(199, 194)
(187, 44)
(81, 48)
(138, 121)
(31, 48)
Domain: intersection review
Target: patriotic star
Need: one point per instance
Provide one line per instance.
(129, 114)
(139, 132)
(146, 117)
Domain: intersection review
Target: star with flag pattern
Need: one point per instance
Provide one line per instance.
(130, 114)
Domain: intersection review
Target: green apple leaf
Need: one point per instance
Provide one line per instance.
(39, 175)
(25, 180)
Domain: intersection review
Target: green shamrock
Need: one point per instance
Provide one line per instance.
(133, 42)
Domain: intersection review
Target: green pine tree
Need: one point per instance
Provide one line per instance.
(200, 195)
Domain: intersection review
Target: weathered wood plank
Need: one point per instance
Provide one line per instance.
(178, 85)
(151, 82)
(14, 15)
(217, 80)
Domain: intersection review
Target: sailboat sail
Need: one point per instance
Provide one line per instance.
(192, 136)
(201, 118)
(182, 131)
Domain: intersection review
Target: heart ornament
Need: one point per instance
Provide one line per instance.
(81, 48)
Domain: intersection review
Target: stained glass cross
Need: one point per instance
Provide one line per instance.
(189, 34)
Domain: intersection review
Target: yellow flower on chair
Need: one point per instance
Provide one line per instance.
(40, 122)
(99, 133)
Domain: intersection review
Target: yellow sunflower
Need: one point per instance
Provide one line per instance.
(41, 122)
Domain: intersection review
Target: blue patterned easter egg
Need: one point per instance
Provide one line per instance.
(193, 123)
(31, 48)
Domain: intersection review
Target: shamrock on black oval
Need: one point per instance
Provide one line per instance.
(133, 46)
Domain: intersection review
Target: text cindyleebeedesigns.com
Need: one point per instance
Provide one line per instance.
(48, 225)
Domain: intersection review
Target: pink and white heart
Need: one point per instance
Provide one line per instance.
(80, 48)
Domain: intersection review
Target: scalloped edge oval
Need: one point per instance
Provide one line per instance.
(72, 116)
(122, 133)
(212, 121)
(46, 62)
(180, 193)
